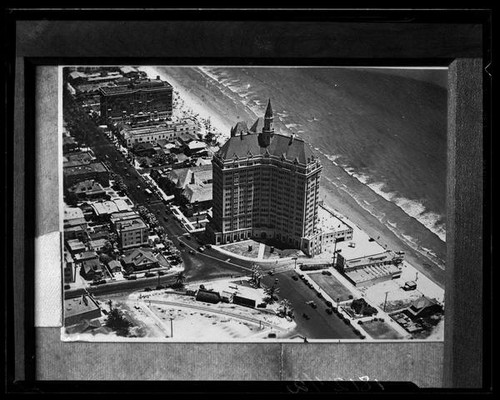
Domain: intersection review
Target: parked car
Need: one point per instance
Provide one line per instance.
(311, 303)
(201, 248)
(191, 251)
(149, 274)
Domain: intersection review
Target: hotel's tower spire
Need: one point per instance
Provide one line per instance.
(268, 129)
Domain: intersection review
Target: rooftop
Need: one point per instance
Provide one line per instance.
(368, 273)
(83, 169)
(247, 145)
(183, 176)
(131, 224)
(86, 186)
(111, 207)
(79, 305)
(328, 222)
(73, 213)
(123, 216)
(140, 256)
(198, 193)
(143, 85)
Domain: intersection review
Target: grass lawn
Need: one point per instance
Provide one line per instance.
(380, 330)
(242, 248)
(331, 286)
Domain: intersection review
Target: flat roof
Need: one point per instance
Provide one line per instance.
(79, 305)
(368, 273)
(131, 224)
(73, 213)
(83, 169)
(328, 222)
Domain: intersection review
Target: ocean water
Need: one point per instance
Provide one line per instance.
(381, 136)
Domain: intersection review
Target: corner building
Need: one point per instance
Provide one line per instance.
(266, 186)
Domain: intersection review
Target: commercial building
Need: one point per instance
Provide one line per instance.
(96, 171)
(368, 270)
(151, 97)
(80, 308)
(155, 131)
(265, 185)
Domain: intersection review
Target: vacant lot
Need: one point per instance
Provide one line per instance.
(331, 286)
(380, 330)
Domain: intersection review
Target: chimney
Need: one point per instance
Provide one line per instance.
(157, 77)
(292, 136)
(192, 178)
(85, 300)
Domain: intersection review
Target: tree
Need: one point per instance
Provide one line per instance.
(179, 279)
(256, 275)
(272, 294)
(107, 248)
(286, 308)
(118, 323)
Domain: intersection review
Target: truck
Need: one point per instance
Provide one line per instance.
(410, 285)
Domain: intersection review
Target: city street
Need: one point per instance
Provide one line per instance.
(210, 264)
(320, 325)
(198, 266)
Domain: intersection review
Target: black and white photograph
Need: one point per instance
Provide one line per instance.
(248, 200)
(215, 203)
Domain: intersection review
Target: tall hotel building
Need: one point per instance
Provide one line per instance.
(265, 185)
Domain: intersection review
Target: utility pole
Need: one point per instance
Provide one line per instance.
(385, 301)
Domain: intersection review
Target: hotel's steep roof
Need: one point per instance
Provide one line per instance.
(290, 147)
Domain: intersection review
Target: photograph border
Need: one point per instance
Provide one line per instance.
(41, 45)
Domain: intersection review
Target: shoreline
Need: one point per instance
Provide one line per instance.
(353, 212)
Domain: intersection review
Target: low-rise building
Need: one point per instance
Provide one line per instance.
(73, 216)
(329, 230)
(153, 131)
(139, 260)
(423, 307)
(106, 208)
(97, 244)
(86, 190)
(80, 308)
(372, 269)
(69, 267)
(115, 266)
(91, 269)
(96, 171)
(132, 231)
(69, 144)
(75, 246)
(78, 158)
